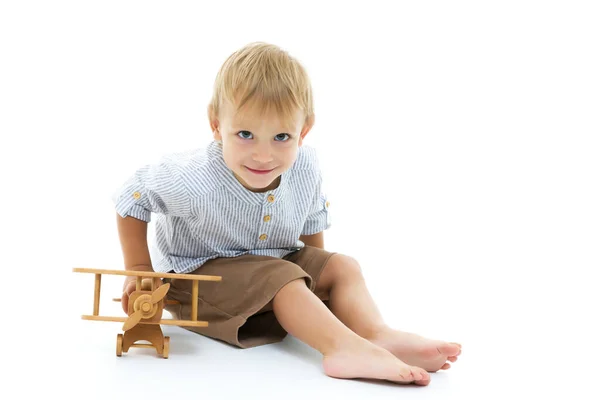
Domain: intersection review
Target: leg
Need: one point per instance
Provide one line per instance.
(345, 354)
(351, 302)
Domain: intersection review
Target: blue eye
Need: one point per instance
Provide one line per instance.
(245, 134)
(282, 137)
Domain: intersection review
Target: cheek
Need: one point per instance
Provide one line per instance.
(233, 149)
(290, 154)
(231, 154)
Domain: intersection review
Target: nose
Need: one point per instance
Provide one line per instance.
(262, 153)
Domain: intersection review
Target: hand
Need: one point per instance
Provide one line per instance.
(129, 287)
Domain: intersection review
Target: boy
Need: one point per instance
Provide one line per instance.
(250, 208)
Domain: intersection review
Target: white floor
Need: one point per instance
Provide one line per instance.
(507, 354)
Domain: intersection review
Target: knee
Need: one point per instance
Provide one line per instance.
(294, 285)
(291, 291)
(351, 267)
(345, 268)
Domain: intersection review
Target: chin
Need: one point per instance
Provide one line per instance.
(253, 182)
(259, 184)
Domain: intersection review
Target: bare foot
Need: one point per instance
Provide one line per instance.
(365, 360)
(431, 355)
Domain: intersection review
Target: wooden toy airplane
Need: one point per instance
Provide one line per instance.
(145, 308)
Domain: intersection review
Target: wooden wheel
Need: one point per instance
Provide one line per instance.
(119, 344)
(166, 347)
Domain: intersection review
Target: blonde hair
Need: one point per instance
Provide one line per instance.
(263, 77)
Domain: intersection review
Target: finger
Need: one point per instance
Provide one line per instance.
(125, 303)
(130, 288)
(127, 284)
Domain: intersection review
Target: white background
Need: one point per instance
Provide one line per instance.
(459, 142)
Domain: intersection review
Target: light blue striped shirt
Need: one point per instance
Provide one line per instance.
(203, 212)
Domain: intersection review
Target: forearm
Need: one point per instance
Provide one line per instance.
(133, 237)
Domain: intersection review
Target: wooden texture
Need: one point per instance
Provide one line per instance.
(97, 280)
(194, 300)
(146, 305)
(145, 308)
(167, 301)
(176, 322)
(148, 274)
(148, 333)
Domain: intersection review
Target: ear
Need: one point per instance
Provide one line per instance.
(306, 128)
(214, 123)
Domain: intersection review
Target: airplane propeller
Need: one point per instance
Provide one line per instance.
(144, 306)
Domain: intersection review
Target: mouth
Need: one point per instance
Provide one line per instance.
(260, 171)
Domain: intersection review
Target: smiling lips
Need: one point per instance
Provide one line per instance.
(260, 171)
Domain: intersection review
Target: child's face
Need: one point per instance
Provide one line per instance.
(258, 149)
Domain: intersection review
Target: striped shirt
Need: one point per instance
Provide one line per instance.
(203, 212)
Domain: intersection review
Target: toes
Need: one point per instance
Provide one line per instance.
(406, 376)
(421, 377)
(452, 359)
(420, 374)
(417, 376)
(446, 366)
(459, 347)
(423, 382)
(451, 349)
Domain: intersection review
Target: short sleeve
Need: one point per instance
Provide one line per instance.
(155, 188)
(319, 218)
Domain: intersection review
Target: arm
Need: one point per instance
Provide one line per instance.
(133, 238)
(315, 240)
(154, 188)
(136, 255)
(317, 213)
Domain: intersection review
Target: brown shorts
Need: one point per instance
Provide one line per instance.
(239, 308)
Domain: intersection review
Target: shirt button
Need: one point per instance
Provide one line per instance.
(327, 205)
(136, 195)
(263, 237)
(267, 218)
(271, 198)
